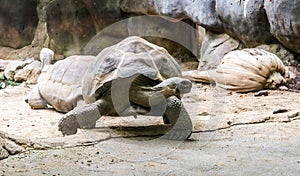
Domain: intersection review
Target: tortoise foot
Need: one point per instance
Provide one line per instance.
(177, 135)
(83, 117)
(68, 125)
(181, 130)
(178, 117)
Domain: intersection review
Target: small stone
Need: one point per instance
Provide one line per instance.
(12, 147)
(277, 111)
(261, 93)
(3, 153)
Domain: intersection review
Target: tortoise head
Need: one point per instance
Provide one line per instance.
(175, 86)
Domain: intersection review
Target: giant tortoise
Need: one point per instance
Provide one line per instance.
(133, 77)
(246, 70)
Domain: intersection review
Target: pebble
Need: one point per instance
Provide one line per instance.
(261, 93)
(277, 111)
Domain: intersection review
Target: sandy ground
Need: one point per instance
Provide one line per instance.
(234, 134)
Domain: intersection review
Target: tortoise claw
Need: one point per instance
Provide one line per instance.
(68, 124)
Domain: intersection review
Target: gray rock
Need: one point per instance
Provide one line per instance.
(179, 38)
(8, 147)
(79, 21)
(19, 20)
(12, 67)
(286, 56)
(244, 20)
(29, 73)
(252, 22)
(214, 47)
(202, 12)
(3, 153)
(284, 21)
(172, 8)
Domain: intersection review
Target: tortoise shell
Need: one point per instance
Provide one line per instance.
(132, 56)
(61, 84)
(75, 79)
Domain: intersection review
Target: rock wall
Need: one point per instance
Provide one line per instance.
(18, 21)
(284, 22)
(69, 27)
(252, 22)
(64, 26)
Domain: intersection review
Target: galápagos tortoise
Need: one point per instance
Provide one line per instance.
(133, 77)
(245, 70)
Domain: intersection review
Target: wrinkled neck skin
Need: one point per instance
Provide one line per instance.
(275, 81)
(147, 95)
(182, 85)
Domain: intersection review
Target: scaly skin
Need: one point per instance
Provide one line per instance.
(87, 115)
(174, 112)
(80, 117)
(178, 117)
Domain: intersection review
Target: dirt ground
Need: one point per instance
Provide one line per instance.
(234, 134)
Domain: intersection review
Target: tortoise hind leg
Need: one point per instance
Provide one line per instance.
(35, 100)
(80, 117)
(178, 117)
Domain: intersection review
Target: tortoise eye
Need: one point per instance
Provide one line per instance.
(108, 59)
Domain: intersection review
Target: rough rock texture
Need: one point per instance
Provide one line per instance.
(247, 21)
(244, 20)
(286, 56)
(64, 26)
(19, 20)
(12, 66)
(21, 70)
(3, 153)
(8, 147)
(71, 24)
(29, 73)
(69, 27)
(214, 47)
(179, 38)
(284, 21)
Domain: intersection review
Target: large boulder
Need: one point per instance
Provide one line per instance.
(287, 57)
(202, 12)
(179, 38)
(244, 20)
(22, 70)
(8, 147)
(69, 27)
(18, 22)
(284, 21)
(64, 26)
(214, 47)
(71, 24)
(252, 22)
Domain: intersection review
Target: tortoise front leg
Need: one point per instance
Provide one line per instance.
(178, 117)
(80, 117)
